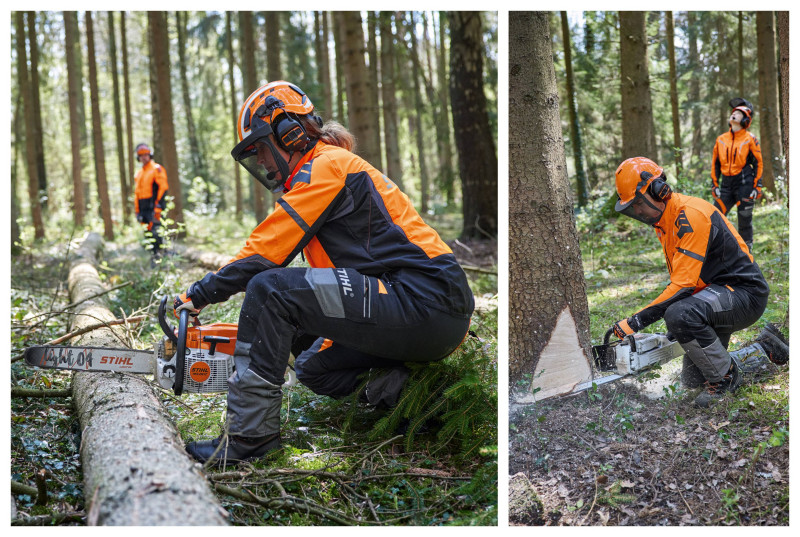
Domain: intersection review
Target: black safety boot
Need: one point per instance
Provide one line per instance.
(235, 449)
(774, 344)
(714, 391)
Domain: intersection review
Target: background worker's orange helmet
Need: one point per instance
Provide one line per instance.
(745, 107)
(143, 149)
(272, 109)
(633, 179)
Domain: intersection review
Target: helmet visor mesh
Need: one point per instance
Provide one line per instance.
(641, 209)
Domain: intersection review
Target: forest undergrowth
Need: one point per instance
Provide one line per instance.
(432, 460)
(616, 456)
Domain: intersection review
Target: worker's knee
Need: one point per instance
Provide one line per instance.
(683, 319)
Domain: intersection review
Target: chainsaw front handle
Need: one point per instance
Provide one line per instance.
(180, 352)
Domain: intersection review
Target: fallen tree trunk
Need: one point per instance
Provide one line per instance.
(209, 260)
(135, 469)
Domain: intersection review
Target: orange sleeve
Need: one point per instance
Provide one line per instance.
(755, 149)
(160, 177)
(714, 160)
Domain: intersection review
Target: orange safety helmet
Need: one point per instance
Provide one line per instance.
(143, 149)
(745, 107)
(634, 178)
(274, 109)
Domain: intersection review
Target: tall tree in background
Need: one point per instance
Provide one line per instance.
(783, 67)
(234, 110)
(123, 175)
(361, 110)
(38, 130)
(272, 32)
(250, 84)
(446, 142)
(389, 98)
(97, 132)
(74, 94)
(549, 312)
(372, 54)
(769, 114)
(325, 67)
(740, 50)
(694, 87)
(158, 27)
(338, 38)
(638, 130)
(673, 96)
(424, 180)
(27, 104)
(581, 185)
(126, 85)
(198, 166)
(477, 159)
(16, 247)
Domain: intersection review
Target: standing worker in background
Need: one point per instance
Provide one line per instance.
(736, 169)
(382, 287)
(149, 195)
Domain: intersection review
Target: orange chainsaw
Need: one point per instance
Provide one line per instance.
(193, 359)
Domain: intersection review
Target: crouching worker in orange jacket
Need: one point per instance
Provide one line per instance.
(149, 195)
(382, 288)
(736, 169)
(715, 289)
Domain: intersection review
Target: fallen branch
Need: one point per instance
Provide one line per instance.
(49, 520)
(22, 488)
(17, 391)
(368, 455)
(479, 269)
(92, 327)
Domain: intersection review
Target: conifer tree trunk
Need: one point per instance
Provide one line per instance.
(74, 94)
(272, 31)
(638, 131)
(783, 68)
(424, 180)
(234, 111)
(694, 87)
(581, 186)
(198, 165)
(38, 131)
(448, 175)
(27, 105)
(477, 158)
(16, 248)
(548, 309)
(740, 47)
(325, 68)
(250, 84)
(126, 84)
(673, 96)
(372, 54)
(127, 199)
(769, 114)
(158, 26)
(154, 51)
(361, 110)
(341, 112)
(97, 133)
(388, 94)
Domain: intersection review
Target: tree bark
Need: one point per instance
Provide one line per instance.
(250, 84)
(694, 87)
(126, 85)
(448, 175)
(272, 31)
(372, 54)
(27, 104)
(477, 158)
(549, 314)
(158, 25)
(638, 131)
(424, 180)
(389, 97)
(769, 113)
(75, 95)
(361, 110)
(234, 110)
(341, 112)
(136, 472)
(677, 146)
(123, 175)
(740, 50)
(325, 67)
(783, 66)
(16, 247)
(581, 185)
(97, 132)
(38, 131)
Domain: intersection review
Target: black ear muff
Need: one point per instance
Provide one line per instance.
(659, 188)
(745, 122)
(290, 134)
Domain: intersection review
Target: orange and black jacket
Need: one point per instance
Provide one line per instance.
(735, 152)
(151, 189)
(341, 212)
(701, 247)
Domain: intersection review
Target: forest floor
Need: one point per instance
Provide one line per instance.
(331, 457)
(637, 452)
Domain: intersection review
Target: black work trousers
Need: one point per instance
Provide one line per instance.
(733, 192)
(366, 322)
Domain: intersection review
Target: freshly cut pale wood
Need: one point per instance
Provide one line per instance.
(136, 472)
(563, 364)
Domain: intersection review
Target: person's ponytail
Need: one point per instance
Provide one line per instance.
(332, 133)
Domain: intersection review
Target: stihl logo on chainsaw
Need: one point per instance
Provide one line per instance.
(117, 360)
(200, 372)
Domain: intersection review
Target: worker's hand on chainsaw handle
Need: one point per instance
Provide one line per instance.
(626, 327)
(183, 302)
